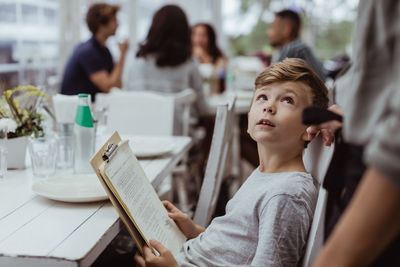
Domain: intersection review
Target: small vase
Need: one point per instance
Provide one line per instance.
(16, 148)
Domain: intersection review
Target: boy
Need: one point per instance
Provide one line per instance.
(267, 221)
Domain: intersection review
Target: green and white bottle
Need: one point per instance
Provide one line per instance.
(84, 135)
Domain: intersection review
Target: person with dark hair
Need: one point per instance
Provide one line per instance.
(207, 52)
(90, 68)
(164, 61)
(284, 33)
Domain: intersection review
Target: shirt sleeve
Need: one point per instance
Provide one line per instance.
(306, 54)
(375, 104)
(91, 62)
(383, 151)
(284, 223)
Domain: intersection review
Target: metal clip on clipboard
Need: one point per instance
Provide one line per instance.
(110, 151)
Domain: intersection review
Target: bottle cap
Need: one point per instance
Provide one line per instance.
(83, 95)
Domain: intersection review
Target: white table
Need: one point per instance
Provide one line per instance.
(242, 105)
(35, 231)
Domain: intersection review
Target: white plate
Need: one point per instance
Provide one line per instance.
(71, 188)
(151, 146)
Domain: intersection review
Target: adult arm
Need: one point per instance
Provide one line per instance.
(104, 80)
(219, 73)
(370, 222)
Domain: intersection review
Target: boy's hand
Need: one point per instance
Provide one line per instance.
(327, 129)
(149, 259)
(187, 226)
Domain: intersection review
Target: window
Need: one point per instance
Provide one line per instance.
(28, 41)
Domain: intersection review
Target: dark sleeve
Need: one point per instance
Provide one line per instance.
(284, 223)
(306, 54)
(91, 61)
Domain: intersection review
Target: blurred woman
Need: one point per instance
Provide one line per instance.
(211, 59)
(164, 61)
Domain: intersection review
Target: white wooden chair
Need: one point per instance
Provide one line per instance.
(215, 168)
(140, 113)
(148, 113)
(316, 158)
(151, 113)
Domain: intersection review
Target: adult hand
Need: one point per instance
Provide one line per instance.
(123, 46)
(150, 260)
(201, 54)
(326, 129)
(187, 226)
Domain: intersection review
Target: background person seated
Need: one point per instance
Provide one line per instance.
(284, 33)
(212, 60)
(90, 68)
(164, 61)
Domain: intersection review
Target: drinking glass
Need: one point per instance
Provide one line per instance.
(43, 153)
(65, 153)
(65, 159)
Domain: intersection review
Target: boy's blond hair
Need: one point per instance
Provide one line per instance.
(295, 70)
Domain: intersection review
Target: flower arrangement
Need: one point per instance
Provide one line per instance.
(19, 111)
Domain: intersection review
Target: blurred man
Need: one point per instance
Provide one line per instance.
(283, 33)
(90, 68)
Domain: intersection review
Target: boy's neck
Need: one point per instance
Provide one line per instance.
(280, 160)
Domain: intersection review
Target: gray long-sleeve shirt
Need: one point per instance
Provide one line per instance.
(369, 93)
(266, 224)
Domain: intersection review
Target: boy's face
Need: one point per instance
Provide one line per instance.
(275, 114)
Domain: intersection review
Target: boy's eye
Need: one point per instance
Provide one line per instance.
(288, 100)
(262, 97)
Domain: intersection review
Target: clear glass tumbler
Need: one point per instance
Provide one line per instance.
(43, 153)
(65, 159)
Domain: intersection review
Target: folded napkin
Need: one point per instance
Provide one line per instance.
(65, 107)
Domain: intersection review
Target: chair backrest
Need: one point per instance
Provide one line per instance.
(140, 113)
(220, 143)
(185, 99)
(316, 158)
(147, 112)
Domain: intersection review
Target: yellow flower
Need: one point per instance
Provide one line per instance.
(8, 93)
(21, 105)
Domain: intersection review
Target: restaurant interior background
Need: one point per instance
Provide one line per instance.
(37, 36)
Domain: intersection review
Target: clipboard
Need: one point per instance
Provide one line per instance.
(96, 161)
(131, 193)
